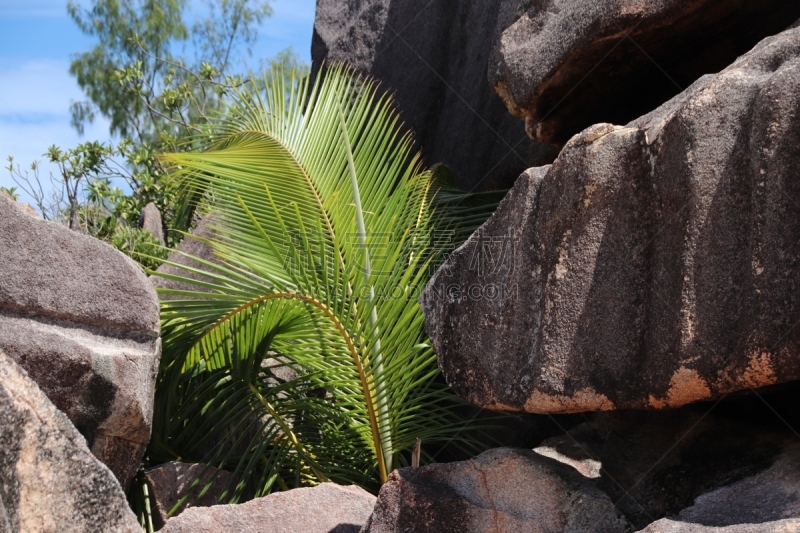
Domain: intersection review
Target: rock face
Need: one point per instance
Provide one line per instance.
(502, 490)
(715, 468)
(326, 508)
(170, 482)
(49, 481)
(150, 220)
(432, 56)
(563, 65)
(83, 321)
(193, 246)
(651, 266)
(673, 526)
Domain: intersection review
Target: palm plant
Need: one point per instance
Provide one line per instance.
(299, 355)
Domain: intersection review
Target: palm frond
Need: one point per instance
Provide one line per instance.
(326, 227)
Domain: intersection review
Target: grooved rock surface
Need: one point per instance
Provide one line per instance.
(326, 508)
(49, 481)
(501, 490)
(169, 482)
(83, 320)
(651, 266)
(563, 65)
(432, 55)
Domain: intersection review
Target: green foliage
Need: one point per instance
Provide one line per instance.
(154, 95)
(134, 77)
(11, 191)
(301, 357)
(82, 196)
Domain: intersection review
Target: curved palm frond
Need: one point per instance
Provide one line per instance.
(325, 237)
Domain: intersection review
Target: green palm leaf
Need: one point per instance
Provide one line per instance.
(326, 229)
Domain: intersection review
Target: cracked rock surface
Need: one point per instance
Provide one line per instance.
(651, 266)
(83, 320)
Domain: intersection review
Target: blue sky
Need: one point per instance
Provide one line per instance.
(37, 39)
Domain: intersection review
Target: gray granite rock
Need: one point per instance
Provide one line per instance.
(667, 525)
(502, 490)
(49, 481)
(562, 65)
(169, 482)
(432, 56)
(150, 220)
(83, 321)
(651, 266)
(326, 508)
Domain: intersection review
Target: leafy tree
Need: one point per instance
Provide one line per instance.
(155, 93)
(301, 357)
(134, 76)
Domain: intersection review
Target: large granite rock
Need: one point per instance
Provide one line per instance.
(501, 490)
(83, 320)
(197, 484)
(651, 266)
(563, 65)
(49, 481)
(432, 55)
(326, 508)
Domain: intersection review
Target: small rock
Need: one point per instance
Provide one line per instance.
(667, 525)
(170, 482)
(326, 508)
(150, 220)
(501, 490)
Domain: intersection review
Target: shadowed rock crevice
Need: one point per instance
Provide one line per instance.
(564, 65)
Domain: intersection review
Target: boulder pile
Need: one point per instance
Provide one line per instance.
(83, 320)
(644, 281)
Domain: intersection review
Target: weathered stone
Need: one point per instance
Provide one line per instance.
(735, 469)
(326, 508)
(192, 245)
(651, 266)
(501, 490)
(770, 495)
(667, 525)
(563, 65)
(432, 56)
(83, 320)
(170, 482)
(49, 481)
(150, 220)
